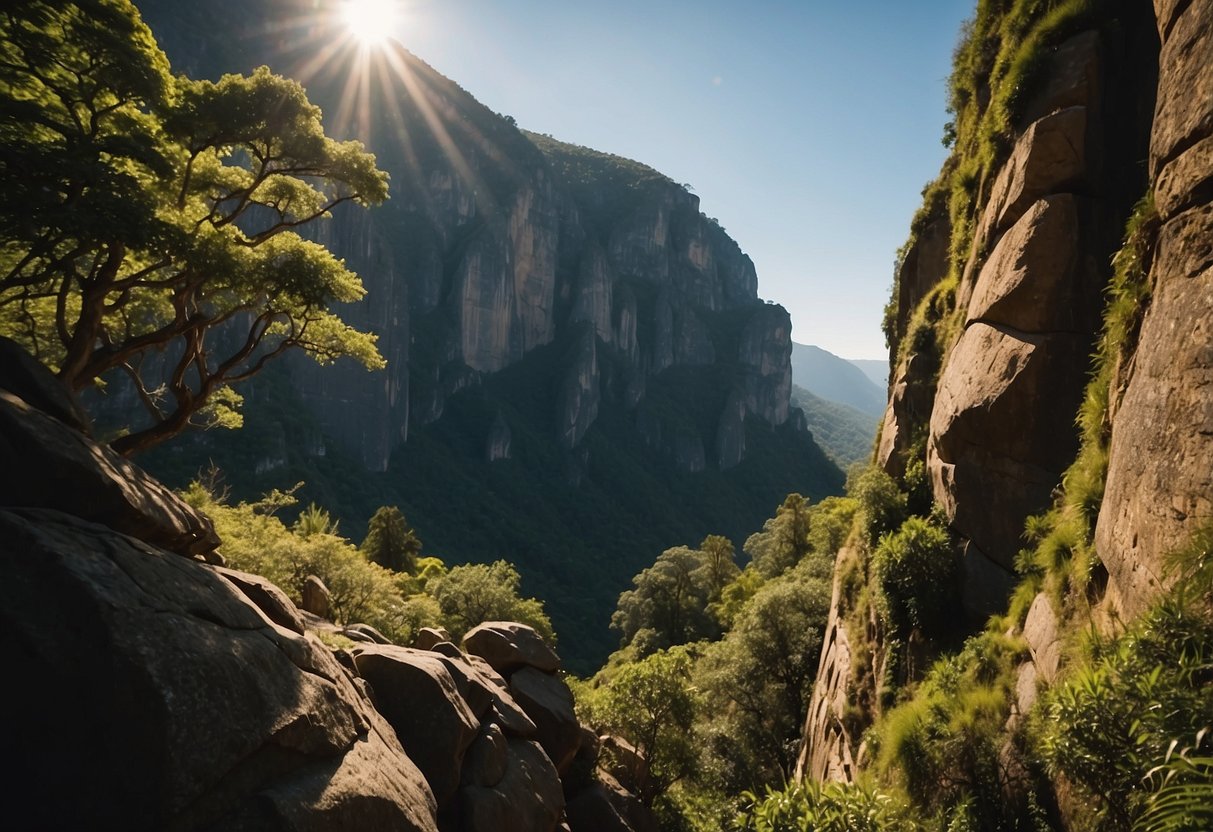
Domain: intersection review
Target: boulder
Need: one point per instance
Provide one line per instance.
(1002, 430)
(154, 695)
(1030, 281)
(50, 465)
(487, 757)
(1049, 157)
(1040, 631)
(1183, 113)
(365, 632)
(427, 637)
(417, 695)
(446, 648)
(549, 702)
(30, 380)
(606, 806)
(506, 711)
(528, 796)
(508, 645)
(316, 597)
(269, 598)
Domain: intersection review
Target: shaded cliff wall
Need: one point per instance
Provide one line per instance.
(494, 242)
(998, 305)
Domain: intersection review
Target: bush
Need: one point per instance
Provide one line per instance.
(832, 807)
(916, 572)
(881, 505)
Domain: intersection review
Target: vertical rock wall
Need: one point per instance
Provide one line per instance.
(1160, 479)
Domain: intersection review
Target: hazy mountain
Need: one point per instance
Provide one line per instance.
(835, 379)
(877, 369)
(845, 433)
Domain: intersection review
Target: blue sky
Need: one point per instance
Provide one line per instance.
(807, 128)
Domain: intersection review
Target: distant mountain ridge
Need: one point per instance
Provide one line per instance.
(836, 379)
(847, 435)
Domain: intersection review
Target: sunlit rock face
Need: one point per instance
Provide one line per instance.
(497, 242)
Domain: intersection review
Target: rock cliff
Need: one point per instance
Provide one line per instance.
(568, 316)
(1003, 295)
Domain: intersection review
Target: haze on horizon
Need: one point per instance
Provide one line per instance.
(808, 129)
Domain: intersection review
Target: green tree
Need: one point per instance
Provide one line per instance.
(784, 538)
(669, 604)
(471, 594)
(390, 541)
(652, 704)
(916, 571)
(757, 680)
(148, 224)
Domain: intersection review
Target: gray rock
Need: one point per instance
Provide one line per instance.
(1040, 631)
(528, 796)
(417, 695)
(427, 637)
(269, 598)
(508, 645)
(159, 697)
(487, 758)
(51, 465)
(316, 597)
(30, 380)
(549, 703)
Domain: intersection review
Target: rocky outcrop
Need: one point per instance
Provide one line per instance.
(159, 697)
(1160, 484)
(51, 465)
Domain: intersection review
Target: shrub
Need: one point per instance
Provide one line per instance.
(916, 572)
(832, 807)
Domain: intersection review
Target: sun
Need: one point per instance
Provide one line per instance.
(371, 21)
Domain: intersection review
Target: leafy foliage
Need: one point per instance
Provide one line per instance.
(390, 541)
(148, 225)
(915, 569)
(845, 433)
(830, 807)
(476, 592)
(1115, 718)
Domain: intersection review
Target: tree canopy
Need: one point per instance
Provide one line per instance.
(149, 223)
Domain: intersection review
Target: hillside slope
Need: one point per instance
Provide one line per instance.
(835, 379)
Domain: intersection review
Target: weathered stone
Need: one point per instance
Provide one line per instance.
(1072, 78)
(316, 597)
(125, 646)
(487, 757)
(985, 585)
(528, 796)
(826, 749)
(30, 380)
(508, 645)
(765, 352)
(447, 649)
(1183, 113)
(1025, 687)
(505, 710)
(606, 806)
(419, 698)
(1041, 633)
(1160, 484)
(925, 264)
(427, 637)
(1050, 157)
(911, 397)
(1031, 279)
(50, 465)
(624, 762)
(548, 701)
(269, 599)
(367, 633)
(1184, 182)
(1002, 430)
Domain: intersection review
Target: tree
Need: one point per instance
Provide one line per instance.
(390, 541)
(784, 539)
(652, 705)
(757, 681)
(476, 592)
(669, 604)
(148, 224)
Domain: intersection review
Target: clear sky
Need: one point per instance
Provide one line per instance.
(807, 128)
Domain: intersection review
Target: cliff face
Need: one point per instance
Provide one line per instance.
(573, 347)
(997, 310)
